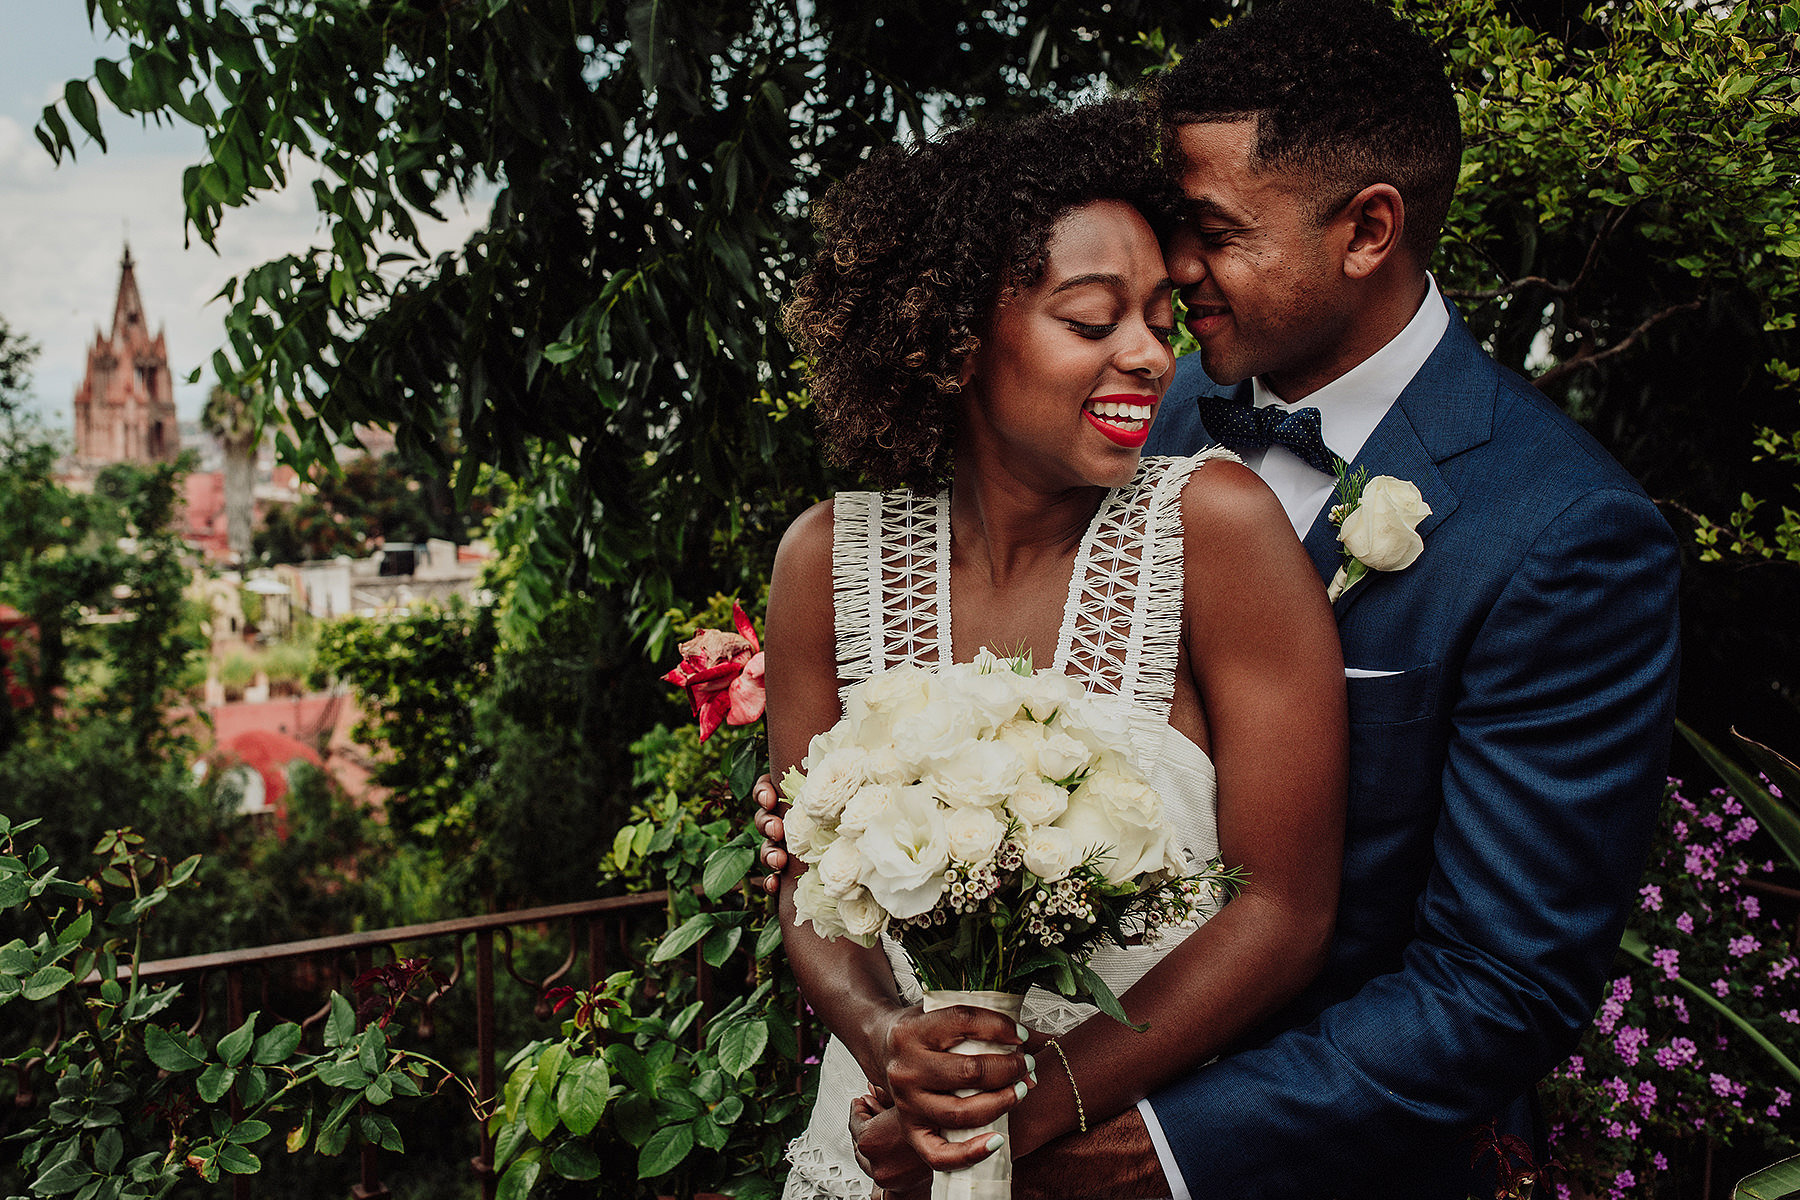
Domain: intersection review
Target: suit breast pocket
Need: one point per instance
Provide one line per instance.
(1392, 699)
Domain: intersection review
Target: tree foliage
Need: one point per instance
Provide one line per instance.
(645, 166)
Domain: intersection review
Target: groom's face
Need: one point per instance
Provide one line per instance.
(1264, 289)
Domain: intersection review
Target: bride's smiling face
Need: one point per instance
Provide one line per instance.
(1070, 370)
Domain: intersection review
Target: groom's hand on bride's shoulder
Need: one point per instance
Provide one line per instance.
(772, 856)
(1114, 1160)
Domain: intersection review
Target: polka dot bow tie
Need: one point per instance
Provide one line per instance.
(1241, 425)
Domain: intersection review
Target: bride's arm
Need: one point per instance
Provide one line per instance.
(1263, 651)
(849, 987)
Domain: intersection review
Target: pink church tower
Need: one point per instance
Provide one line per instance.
(125, 407)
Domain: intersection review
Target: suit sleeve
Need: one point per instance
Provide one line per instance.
(1552, 772)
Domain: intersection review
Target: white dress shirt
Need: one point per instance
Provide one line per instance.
(1350, 407)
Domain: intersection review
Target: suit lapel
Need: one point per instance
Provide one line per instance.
(1446, 409)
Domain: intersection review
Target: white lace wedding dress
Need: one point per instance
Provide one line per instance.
(1120, 636)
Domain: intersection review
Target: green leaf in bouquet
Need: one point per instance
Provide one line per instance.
(1094, 990)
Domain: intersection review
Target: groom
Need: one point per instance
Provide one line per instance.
(1511, 691)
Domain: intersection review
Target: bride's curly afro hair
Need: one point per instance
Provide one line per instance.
(918, 246)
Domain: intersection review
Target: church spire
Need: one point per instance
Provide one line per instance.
(128, 309)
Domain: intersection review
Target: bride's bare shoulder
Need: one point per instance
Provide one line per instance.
(1224, 499)
(805, 550)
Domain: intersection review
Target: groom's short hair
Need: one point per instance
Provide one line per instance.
(1341, 90)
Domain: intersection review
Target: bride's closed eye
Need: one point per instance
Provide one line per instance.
(1095, 332)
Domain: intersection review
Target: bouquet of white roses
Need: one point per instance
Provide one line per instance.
(986, 817)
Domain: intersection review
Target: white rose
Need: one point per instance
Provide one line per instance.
(1061, 756)
(973, 834)
(1102, 818)
(831, 782)
(992, 699)
(824, 743)
(936, 731)
(1102, 728)
(807, 840)
(1047, 691)
(905, 850)
(1038, 802)
(1381, 532)
(1127, 796)
(1051, 853)
(869, 801)
(888, 694)
(813, 906)
(981, 774)
(1026, 737)
(862, 918)
(839, 867)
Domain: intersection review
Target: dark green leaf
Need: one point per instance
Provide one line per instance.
(215, 1081)
(741, 1046)
(667, 1148)
(516, 1184)
(574, 1160)
(683, 938)
(276, 1045)
(170, 1050)
(582, 1094)
(235, 1046)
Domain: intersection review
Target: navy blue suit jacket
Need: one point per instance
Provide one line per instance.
(1504, 783)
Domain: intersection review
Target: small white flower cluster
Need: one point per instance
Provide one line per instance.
(939, 789)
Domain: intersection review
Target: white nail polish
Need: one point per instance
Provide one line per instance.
(995, 1142)
(1019, 1089)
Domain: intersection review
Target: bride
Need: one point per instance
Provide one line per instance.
(988, 319)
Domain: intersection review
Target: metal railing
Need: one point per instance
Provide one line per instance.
(598, 931)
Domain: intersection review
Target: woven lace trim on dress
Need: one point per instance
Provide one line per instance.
(890, 576)
(1128, 581)
(813, 1176)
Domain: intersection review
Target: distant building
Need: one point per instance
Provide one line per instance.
(125, 407)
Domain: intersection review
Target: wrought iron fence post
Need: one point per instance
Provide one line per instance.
(484, 1054)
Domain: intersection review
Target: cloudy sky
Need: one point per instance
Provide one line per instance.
(62, 228)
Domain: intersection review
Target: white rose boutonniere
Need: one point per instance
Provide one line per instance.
(1377, 522)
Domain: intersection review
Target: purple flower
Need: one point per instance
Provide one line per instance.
(1742, 831)
(1713, 821)
(1669, 961)
(1782, 1099)
(1738, 947)
(1659, 1162)
(1720, 987)
(1614, 1130)
(1791, 1015)
(1620, 1092)
(1652, 895)
(1780, 970)
(1678, 1053)
(1724, 1086)
(1575, 1066)
(1685, 922)
(1731, 806)
(1751, 907)
(1646, 1097)
(1681, 828)
(1630, 1043)
(1623, 1184)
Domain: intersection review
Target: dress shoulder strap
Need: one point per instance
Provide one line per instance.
(1121, 628)
(890, 581)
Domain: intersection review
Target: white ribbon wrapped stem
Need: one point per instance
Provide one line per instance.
(991, 1178)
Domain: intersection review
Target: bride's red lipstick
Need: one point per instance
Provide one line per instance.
(1134, 431)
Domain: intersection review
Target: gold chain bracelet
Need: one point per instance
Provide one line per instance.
(1080, 1112)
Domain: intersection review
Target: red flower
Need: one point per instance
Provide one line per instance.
(722, 673)
(18, 637)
